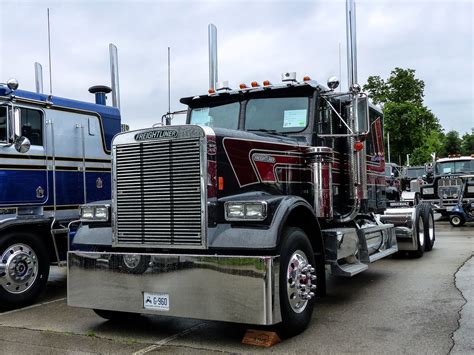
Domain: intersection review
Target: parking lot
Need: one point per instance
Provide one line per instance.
(399, 305)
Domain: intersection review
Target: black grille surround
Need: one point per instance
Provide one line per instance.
(158, 194)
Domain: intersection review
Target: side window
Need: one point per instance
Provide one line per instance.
(32, 125)
(3, 124)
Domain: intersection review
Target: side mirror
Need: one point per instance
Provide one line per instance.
(15, 124)
(22, 144)
(360, 111)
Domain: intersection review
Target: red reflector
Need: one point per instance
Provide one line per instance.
(358, 146)
(221, 183)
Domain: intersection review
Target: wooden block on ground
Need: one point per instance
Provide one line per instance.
(260, 338)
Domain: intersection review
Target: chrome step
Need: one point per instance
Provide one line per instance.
(347, 270)
(383, 253)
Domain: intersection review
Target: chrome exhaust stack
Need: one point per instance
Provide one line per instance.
(357, 159)
(38, 78)
(212, 37)
(114, 76)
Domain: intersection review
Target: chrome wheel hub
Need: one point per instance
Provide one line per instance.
(131, 260)
(299, 281)
(18, 268)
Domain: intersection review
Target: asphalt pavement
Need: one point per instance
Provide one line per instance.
(399, 305)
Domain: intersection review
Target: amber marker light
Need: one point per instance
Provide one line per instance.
(254, 84)
(211, 91)
(243, 86)
(221, 183)
(267, 83)
(358, 146)
(306, 78)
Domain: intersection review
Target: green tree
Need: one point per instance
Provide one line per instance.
(401, 86)
(451, 144)
(467, 145)
(413, 128)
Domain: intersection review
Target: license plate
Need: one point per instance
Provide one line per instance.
(156, 301)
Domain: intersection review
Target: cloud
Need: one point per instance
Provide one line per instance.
(256, 41)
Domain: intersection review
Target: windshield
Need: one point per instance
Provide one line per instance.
(3, 124)
(451, 167)
(223, 116)
(414, 173)
(284, 114)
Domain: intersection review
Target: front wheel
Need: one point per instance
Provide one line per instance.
(456, 221)
(297, 281)
(24, 269)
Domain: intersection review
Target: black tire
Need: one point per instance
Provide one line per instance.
(420, 233)
(428, 221)
(139, 267)
(31, 259)
(116, 315)
(295, 249)
(416, 200)
(456, 220)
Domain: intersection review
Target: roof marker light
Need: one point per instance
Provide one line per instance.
(306, 78)
(211, 91)
(254, 84)
(267, 83)
(243, 86)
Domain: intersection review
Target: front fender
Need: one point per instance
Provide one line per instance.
(252, 235)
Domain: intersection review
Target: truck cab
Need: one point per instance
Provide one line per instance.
(263, 188)
(443, 192)
(54, 157)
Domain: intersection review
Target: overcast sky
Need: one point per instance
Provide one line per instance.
(257, 40)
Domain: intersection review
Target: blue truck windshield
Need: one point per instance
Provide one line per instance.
(283, 115)
(223, 116)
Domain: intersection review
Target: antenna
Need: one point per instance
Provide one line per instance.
(49, 51)
(340, 70)
(169, 81)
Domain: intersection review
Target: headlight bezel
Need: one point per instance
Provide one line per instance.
(258, 211)
(94, 213)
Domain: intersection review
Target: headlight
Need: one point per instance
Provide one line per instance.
(99, 213)
(428, 191)
(245, 211)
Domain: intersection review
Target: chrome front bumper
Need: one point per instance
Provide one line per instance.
(243, 289)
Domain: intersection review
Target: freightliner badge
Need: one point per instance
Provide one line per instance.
(156, 134)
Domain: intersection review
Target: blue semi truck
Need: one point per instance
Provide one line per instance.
(54, 156)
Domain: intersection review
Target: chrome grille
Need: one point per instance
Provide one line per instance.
(449, 182)
(158, 193)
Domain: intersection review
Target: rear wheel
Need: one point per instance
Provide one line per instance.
(420, 233)
(428, 221)
(297, 281)
(24, 269)
(456, 221)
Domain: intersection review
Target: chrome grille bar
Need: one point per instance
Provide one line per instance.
(158, 192)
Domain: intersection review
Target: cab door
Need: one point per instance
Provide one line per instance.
(23, 176)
